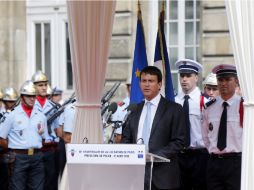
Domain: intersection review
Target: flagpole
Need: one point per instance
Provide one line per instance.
(139, 59)
(140, 18)
(162, 13)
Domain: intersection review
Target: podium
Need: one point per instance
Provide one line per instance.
(106, 166)
(153, 158)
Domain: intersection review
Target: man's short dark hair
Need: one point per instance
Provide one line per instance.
(152, 70)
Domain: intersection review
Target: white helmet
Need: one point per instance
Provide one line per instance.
(10, 94)
(28, 88)
(211, 80)
(39, 76)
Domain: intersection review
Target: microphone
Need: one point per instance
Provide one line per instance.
(111, 110)
(140, 141)
(130, 109)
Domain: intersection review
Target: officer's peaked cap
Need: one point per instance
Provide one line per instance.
(224, 70)
(188, 66)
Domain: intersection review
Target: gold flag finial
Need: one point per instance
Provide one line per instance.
(163, 5)
(139, 11)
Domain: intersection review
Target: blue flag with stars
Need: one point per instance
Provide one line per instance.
(161, 61)
(139, 62)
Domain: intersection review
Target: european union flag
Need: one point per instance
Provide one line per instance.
(161, 60)
(139, 62)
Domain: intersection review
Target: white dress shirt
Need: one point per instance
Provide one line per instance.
(211, 123)
(195, 116)
(154, 105)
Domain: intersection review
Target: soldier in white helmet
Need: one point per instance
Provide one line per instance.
(25, 128)
(211, 86)
(47, 107)
(10, 98)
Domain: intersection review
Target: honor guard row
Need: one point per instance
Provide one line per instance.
(33, 144)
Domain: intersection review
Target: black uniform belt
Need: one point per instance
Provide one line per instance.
(30, 151)
(226, 155)
(194, 151)
(51, 146)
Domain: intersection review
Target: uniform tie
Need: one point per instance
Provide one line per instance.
(222, 135)
(147, 124)
(187, 119)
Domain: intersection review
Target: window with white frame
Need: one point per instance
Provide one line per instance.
(182, 30)
(48, 42)
(43, 48)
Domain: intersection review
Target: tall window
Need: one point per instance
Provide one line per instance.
(68, 60)
(43, 48)
(48, 42)
(182, 29)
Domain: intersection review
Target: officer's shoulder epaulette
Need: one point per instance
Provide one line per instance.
(120, 103)
(211, 102)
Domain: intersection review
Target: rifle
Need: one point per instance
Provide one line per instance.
(107, 96)
(60, 110)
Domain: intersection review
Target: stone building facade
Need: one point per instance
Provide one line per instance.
(17, 40)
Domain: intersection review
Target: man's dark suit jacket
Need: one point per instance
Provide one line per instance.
(166, 139)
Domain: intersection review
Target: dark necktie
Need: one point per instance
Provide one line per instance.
(187, 119)
(222, 135)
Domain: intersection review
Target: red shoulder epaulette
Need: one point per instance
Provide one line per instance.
(120, 104)
(202, 102)
(241, 112)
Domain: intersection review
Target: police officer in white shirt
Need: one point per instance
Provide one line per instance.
(222, 133)
(25, 127)
(193, 159)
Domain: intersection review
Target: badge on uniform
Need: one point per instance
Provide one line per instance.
(40, 128)
(210, 127)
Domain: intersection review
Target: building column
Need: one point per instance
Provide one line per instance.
(12, 43)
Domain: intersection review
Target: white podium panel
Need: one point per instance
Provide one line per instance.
(105, 166)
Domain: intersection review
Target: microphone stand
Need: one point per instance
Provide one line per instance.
(116, 125)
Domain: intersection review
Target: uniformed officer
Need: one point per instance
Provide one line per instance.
(25, 127)
(47, 107)
(222, 133)
(122, 111)
(193, 159)
(10, 98)
(66, 121)
(56, 95)
(3, 166)
(211, 86)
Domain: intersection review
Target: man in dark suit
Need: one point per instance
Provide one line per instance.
(160, 124)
